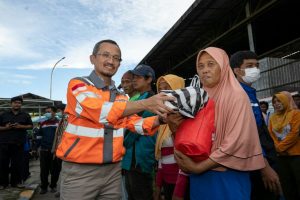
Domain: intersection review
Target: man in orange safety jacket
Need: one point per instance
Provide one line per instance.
(92, 144)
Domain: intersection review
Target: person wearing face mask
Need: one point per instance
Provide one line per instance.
(47, 163)
(265, 182)
(62, 117)
(59, 114)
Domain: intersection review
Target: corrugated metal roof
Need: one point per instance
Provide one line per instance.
(223, 23)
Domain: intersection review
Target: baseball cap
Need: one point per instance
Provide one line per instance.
(144, 70)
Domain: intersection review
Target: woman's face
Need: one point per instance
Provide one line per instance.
(208, 70)
(278, 106)
(163, 85)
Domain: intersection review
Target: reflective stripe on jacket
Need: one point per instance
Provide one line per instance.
(94, 133)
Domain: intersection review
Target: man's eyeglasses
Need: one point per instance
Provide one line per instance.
(107, 56)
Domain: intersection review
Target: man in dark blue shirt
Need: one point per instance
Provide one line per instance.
(246, 68)
(13, 126)
(48, 162)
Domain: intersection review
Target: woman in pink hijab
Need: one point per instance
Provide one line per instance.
(236, 148)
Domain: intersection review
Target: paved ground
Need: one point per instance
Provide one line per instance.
(47, 196)
(31, 190)
(31, 185)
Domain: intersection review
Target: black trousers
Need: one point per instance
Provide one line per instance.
(11, 161)
(51, 165)
(139, 185)
(26, 172)
(289, 174)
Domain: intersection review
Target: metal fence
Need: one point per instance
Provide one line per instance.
(278, 74)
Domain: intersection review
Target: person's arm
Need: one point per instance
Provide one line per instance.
(174, 120)
(154, 104)
(39, 136)
(187, 165)
(292, 137)
(270, 128)
(270, 178)
(6, 127)
(3, 126)
(9, 126)
(20, 126)
(139, 125)
(129, 139)
(27, 124)
(88, 104)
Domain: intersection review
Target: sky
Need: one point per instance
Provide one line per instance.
(35, 34)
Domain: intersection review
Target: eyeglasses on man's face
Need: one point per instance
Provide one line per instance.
(107, 56)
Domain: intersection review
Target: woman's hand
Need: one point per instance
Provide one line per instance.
(186, 164)
(174, 120)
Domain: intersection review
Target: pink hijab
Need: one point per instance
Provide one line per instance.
(236, 144)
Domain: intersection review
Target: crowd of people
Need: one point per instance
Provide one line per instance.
(105, 145)
(22, 140)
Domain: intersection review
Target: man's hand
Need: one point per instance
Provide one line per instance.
(16, 126)
(9, 126)
(174, 120)
(270, 179)
(155, 104)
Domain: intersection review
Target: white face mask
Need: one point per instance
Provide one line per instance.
(48, 115)
(251, 75)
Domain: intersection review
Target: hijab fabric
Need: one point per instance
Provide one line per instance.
(291, 100)
(280, 120)
(175, 82)
(236, 144)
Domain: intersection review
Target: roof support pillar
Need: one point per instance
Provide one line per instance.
(249, 28)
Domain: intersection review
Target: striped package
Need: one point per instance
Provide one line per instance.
(188, 101)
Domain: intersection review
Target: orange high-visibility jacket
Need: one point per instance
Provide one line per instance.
(95, 129)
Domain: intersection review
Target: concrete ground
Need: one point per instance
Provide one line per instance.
(31, 185)
(31, 190)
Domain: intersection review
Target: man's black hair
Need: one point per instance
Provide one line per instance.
(53, 108)
(61, 106)
(98, 44)
(18, 98)
(264, 103)
(128, 72)
(237, 59)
